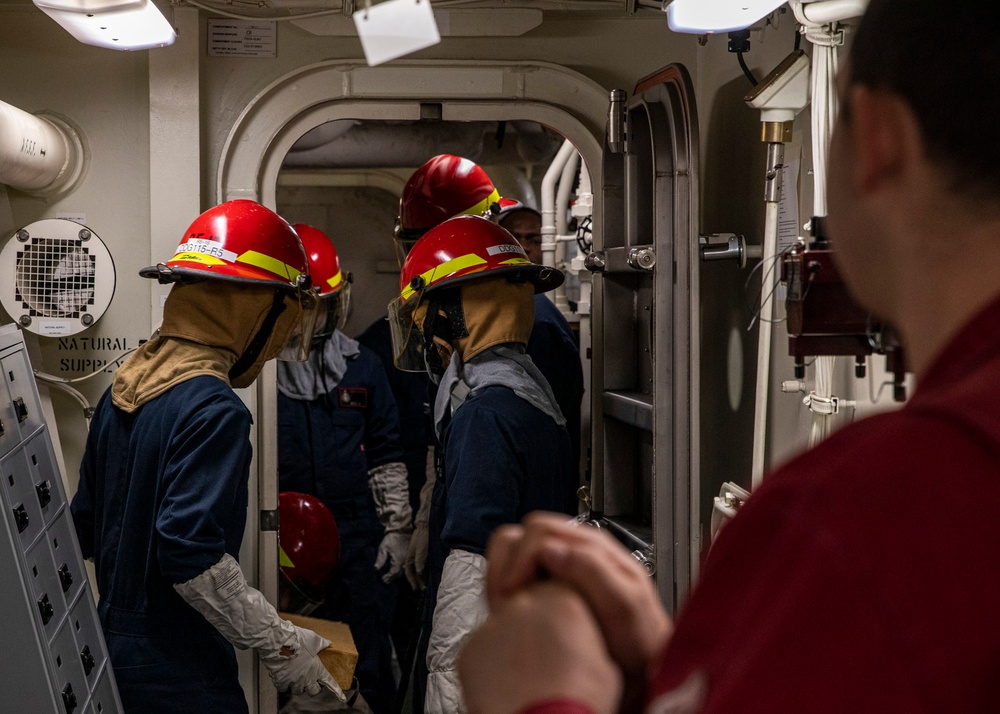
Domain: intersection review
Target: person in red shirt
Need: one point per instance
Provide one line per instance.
(863, 576)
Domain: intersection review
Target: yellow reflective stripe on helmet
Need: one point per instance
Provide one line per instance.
(515, 261)
(283, 560)
(483, 206)
(336, 280)
(272, 265)
(444, 270)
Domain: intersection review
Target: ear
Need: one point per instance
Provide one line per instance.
(886, 139)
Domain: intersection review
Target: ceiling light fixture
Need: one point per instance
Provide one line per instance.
(115, 24)
(706, 16)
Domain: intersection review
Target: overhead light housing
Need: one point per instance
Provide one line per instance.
(115, 24)
(699, 17)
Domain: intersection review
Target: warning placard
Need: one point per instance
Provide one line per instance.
(242, 38)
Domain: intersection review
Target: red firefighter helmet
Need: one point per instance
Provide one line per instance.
(460, 249)
(238, 240)
(309, 550)
(332, 284)
(444, 187)
(324, 265)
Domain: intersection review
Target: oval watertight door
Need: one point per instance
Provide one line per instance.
(645, 342)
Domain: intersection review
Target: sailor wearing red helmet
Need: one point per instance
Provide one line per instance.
(464, 314)
(162, 500)
(339, 440)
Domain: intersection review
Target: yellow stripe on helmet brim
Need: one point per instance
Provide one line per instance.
(271, 265)
(439, 272)
(336, 280)
(483, 206)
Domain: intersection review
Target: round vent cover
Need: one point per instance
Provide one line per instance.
(58, 277)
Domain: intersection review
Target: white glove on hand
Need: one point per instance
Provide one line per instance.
(415, 565)
(392, 503)
(392, 550)
(302, 672)
(242, 615)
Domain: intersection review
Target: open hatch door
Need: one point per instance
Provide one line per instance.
(645, 394)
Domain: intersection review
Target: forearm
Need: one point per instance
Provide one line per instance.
(390, 490)
(460, 609)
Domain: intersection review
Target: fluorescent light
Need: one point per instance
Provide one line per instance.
(130, 25)
(704, 16)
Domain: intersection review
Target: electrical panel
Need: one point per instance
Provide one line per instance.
(53, 658)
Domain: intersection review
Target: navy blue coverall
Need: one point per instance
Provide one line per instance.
(162, 497)
(503, 458)
(326, 448)
(554, 349)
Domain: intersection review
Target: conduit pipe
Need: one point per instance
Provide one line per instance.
(769, 276)
(819, 25)
(40, 155)
(549, 203)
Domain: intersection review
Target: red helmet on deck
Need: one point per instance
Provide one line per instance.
(238, 240)
(460, 249)
(309, 550)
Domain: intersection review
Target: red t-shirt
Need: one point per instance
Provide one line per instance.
(863, 576)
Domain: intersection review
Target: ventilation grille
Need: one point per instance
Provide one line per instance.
(55, 278)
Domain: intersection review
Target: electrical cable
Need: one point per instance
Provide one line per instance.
(756, 310)
(746, 70)
(339, 9)
(88, 411)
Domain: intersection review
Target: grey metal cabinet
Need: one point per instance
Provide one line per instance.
(53, 658)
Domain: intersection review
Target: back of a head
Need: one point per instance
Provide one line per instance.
(942, 59)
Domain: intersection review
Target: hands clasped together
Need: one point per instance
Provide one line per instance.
(572, 617)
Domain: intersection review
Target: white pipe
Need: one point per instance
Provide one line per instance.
(549, 202)
(565, 189)
(828, 11)
(824, 113)
(562, 225)
(768, 280)
(37, 155)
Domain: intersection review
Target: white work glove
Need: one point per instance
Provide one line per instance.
(392, 504)
(415, 565)
(242, 615)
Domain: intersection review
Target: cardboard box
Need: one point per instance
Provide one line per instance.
(341, 657)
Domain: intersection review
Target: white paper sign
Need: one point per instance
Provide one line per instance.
(51, 327)
(395, 28)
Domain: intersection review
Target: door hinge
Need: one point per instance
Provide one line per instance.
(617, 122)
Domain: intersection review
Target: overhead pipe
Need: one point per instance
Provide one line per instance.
(40, 155)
